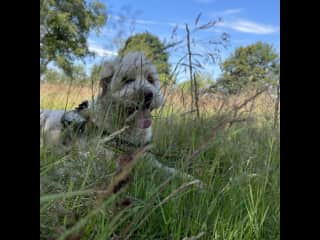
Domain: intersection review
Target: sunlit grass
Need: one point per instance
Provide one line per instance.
(240, 168)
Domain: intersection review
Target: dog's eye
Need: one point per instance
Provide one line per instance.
(150, 79)
(127, 80)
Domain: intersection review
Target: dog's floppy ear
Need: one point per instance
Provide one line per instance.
(106, 76)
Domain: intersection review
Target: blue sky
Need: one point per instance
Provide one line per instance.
(246, 21)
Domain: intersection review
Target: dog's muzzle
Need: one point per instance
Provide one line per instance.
(148, 96)
(141, 113)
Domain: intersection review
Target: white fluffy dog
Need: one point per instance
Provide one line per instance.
(130, 90)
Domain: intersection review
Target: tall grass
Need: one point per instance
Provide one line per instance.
(239, 166)
(56, 96)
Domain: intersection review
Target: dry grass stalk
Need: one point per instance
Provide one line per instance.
(192, 87)
(194, 237)
(126, 162)
(53, 96)
(210, 138)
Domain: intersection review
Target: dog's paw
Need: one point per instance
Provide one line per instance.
(84, 154)
(201, 185)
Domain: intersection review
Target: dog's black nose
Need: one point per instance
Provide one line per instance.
(148, 95)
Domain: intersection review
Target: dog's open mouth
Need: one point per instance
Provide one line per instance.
(143, 118)
(140, 117)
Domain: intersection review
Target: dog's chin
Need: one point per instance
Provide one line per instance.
(139, 118)
(143, 119)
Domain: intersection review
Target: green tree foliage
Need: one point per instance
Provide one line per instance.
(53, 76)
(203, 80)
(152, 47)
(64, 28)
(57, 76)
(79, 74)
(254, 66)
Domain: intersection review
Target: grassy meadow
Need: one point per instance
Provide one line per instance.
(238, 163)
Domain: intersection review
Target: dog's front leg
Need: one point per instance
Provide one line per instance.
(170, 171)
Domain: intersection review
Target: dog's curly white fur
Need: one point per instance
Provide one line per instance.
(129, 91)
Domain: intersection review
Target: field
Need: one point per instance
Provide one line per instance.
(239, 164)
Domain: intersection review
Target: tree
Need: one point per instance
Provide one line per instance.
(253, 65)
(79, 74)
(203, 80)
(64, 28)
(52, 76)
(57, 76)
(152, 47)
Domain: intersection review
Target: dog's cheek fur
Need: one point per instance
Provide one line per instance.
(148, 135)
(140, 136)
(158, 98)
(106, 77)
(125, 94)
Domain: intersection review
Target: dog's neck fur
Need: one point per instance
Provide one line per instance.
(108, 117)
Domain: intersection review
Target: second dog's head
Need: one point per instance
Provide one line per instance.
(132, 83)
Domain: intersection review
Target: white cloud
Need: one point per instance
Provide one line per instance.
(227, 12)
(101, 52)
(115, 17)
(250, 27)
(131, 19)
(146, 22)
(232, 11)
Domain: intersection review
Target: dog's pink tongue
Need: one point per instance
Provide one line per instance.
(144, 119)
